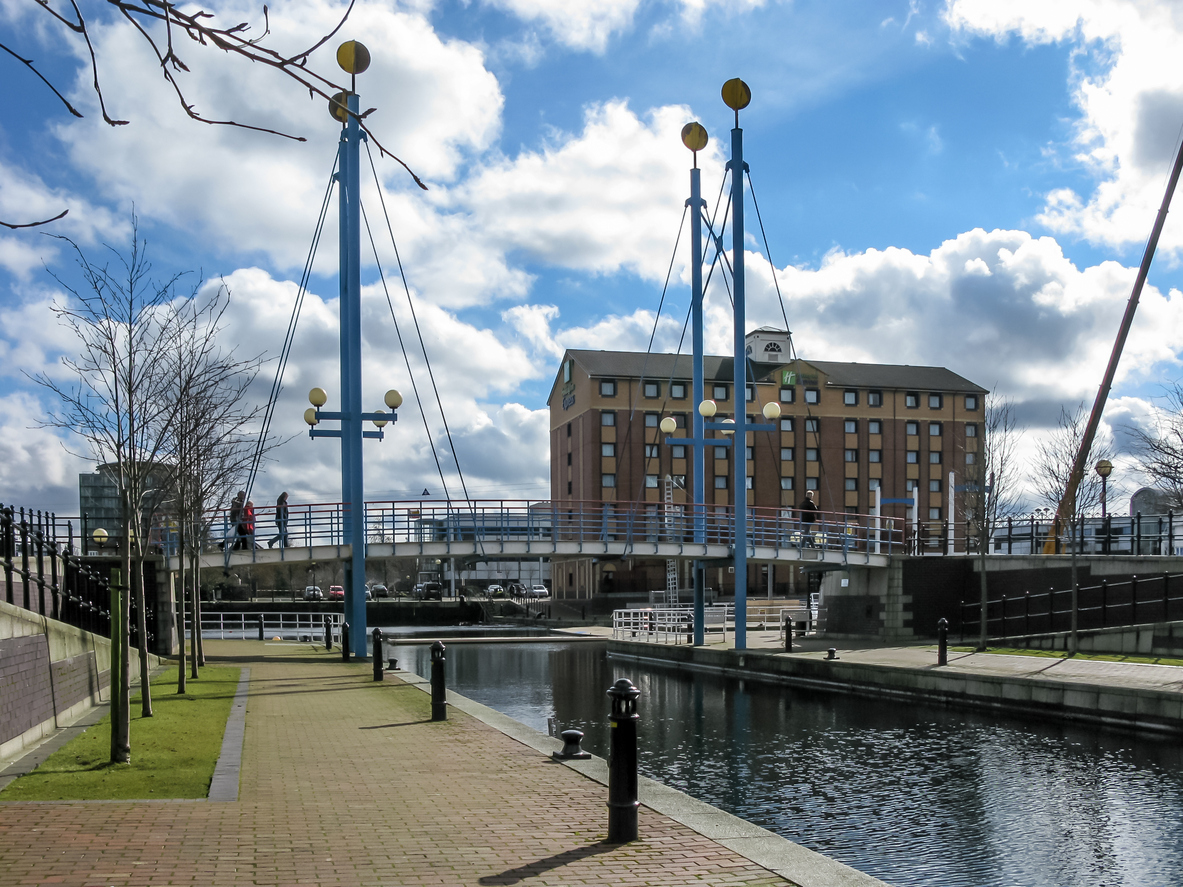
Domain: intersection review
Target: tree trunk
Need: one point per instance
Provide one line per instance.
(121, 681)
(142, 631)
(182, 665)
(195, 619)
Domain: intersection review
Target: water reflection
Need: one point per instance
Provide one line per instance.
(912, 795)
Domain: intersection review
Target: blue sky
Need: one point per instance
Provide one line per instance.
(960, 183)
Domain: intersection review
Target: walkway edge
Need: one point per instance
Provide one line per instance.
(798, 864)
(224, 785)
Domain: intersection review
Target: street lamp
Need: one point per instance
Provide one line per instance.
(1104, 468)
(100, 537)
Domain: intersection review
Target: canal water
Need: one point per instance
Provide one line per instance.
(910, 794)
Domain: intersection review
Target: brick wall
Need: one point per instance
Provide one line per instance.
(33, 690)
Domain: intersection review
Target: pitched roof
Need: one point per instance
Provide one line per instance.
(635, 364)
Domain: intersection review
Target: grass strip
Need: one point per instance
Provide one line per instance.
(173, 753)
(1060, 654)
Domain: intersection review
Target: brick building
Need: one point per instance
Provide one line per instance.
(845, 430)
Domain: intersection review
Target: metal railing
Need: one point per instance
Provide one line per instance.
(666, 625)
(53, 580)
(288, 626)
(1136, 601)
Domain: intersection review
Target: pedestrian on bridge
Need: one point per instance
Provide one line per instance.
(809, 512)
(247, 524)
(281, 522)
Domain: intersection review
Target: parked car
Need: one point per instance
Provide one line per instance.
(495, 591)
(369, 597)
(336, 593)
(379, 591)
(312, 593)
(516, 589)
(538, 591)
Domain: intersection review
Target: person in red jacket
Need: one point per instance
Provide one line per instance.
(248, 525)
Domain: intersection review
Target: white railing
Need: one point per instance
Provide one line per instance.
(665, 625)
(288, 626)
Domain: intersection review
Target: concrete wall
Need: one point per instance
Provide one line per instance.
(50, 673)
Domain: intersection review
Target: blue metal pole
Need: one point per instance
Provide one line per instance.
(351, 423)
(739, 378)
(697, 204)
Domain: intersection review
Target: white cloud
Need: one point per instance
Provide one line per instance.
(587, 24)
(35, 466)
(1132, 111)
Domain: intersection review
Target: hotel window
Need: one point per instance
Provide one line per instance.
(873, 484)
(850, 398)
(652, 389)
(811, 426)
(934, 458)
(934, 429)
(608, 388)
(911, 399)
(971, 401)
(934, 514)
(651, 451)
(812, 395)
(786, 454)
(909, 486)
(874, 427)
(811, 454)
(652, 420)
(608, 420)
(747, 482)
(851, 426)
(788, 395)
(750, 394)
(969, 458)
(568, 429)
(811, 483)
(721, 452)
(678, 390)
(913, 457)
(851, 455)
(874, 455)
(912, 428)
(971, 430)
(719, 392)
(680, 481)
(607, 480)
(608, 450)
(934, 485)
(720, 481)
(678, 451)
(651, 481)
(786, 483)
(786, 423)
(874, 398)
(568, 488)
(851, 484)
(935, 401)
(747, 454)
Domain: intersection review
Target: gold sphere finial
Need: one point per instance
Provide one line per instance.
(318, 397)
(694, 136)
(339, 107)
(736, 94)
(353, 57)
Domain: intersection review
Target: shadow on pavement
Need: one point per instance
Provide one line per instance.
(534, 869)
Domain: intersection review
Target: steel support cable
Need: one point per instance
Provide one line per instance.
(415, 318)
(768, 253)
(290, 334)
(403, 347)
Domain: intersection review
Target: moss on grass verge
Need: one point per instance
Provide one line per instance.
(173, 753)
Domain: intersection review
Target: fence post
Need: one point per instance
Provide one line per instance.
(9, 542)
(55, 590)
(1138, 532)
(1134, 598)
(25, 561)
(1010, 535)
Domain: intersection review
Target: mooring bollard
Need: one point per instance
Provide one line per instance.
(571, 749)
(622, 763)
(942, 641)
(439, 692)
(260, 628)
(328, 623)
(344, 641)
(377, 636)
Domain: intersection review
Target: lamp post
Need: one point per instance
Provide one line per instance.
(1104, 468)
(353, 58)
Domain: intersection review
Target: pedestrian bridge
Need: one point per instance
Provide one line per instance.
(488, 530)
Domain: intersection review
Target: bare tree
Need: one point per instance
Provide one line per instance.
(119, 403)
(1054, 461)
(1160, 448)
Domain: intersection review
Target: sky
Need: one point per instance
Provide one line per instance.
(967, 183)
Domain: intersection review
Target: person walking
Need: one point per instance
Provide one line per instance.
(809, 512)
(248, 525)
(281, 522)
(234, 531)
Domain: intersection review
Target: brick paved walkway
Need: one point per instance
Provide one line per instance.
(347, 782)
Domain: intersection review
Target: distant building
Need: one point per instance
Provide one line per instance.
(846, 430)
(98, 498)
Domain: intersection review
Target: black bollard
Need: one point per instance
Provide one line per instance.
(789, 633)
(344, 641)
(377, 636)
(328, 621)
(622, 763)
(260, 628)
(571, 748)
(942, 641)
(439, 692)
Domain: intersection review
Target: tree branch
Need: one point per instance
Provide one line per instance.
(13, 226)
